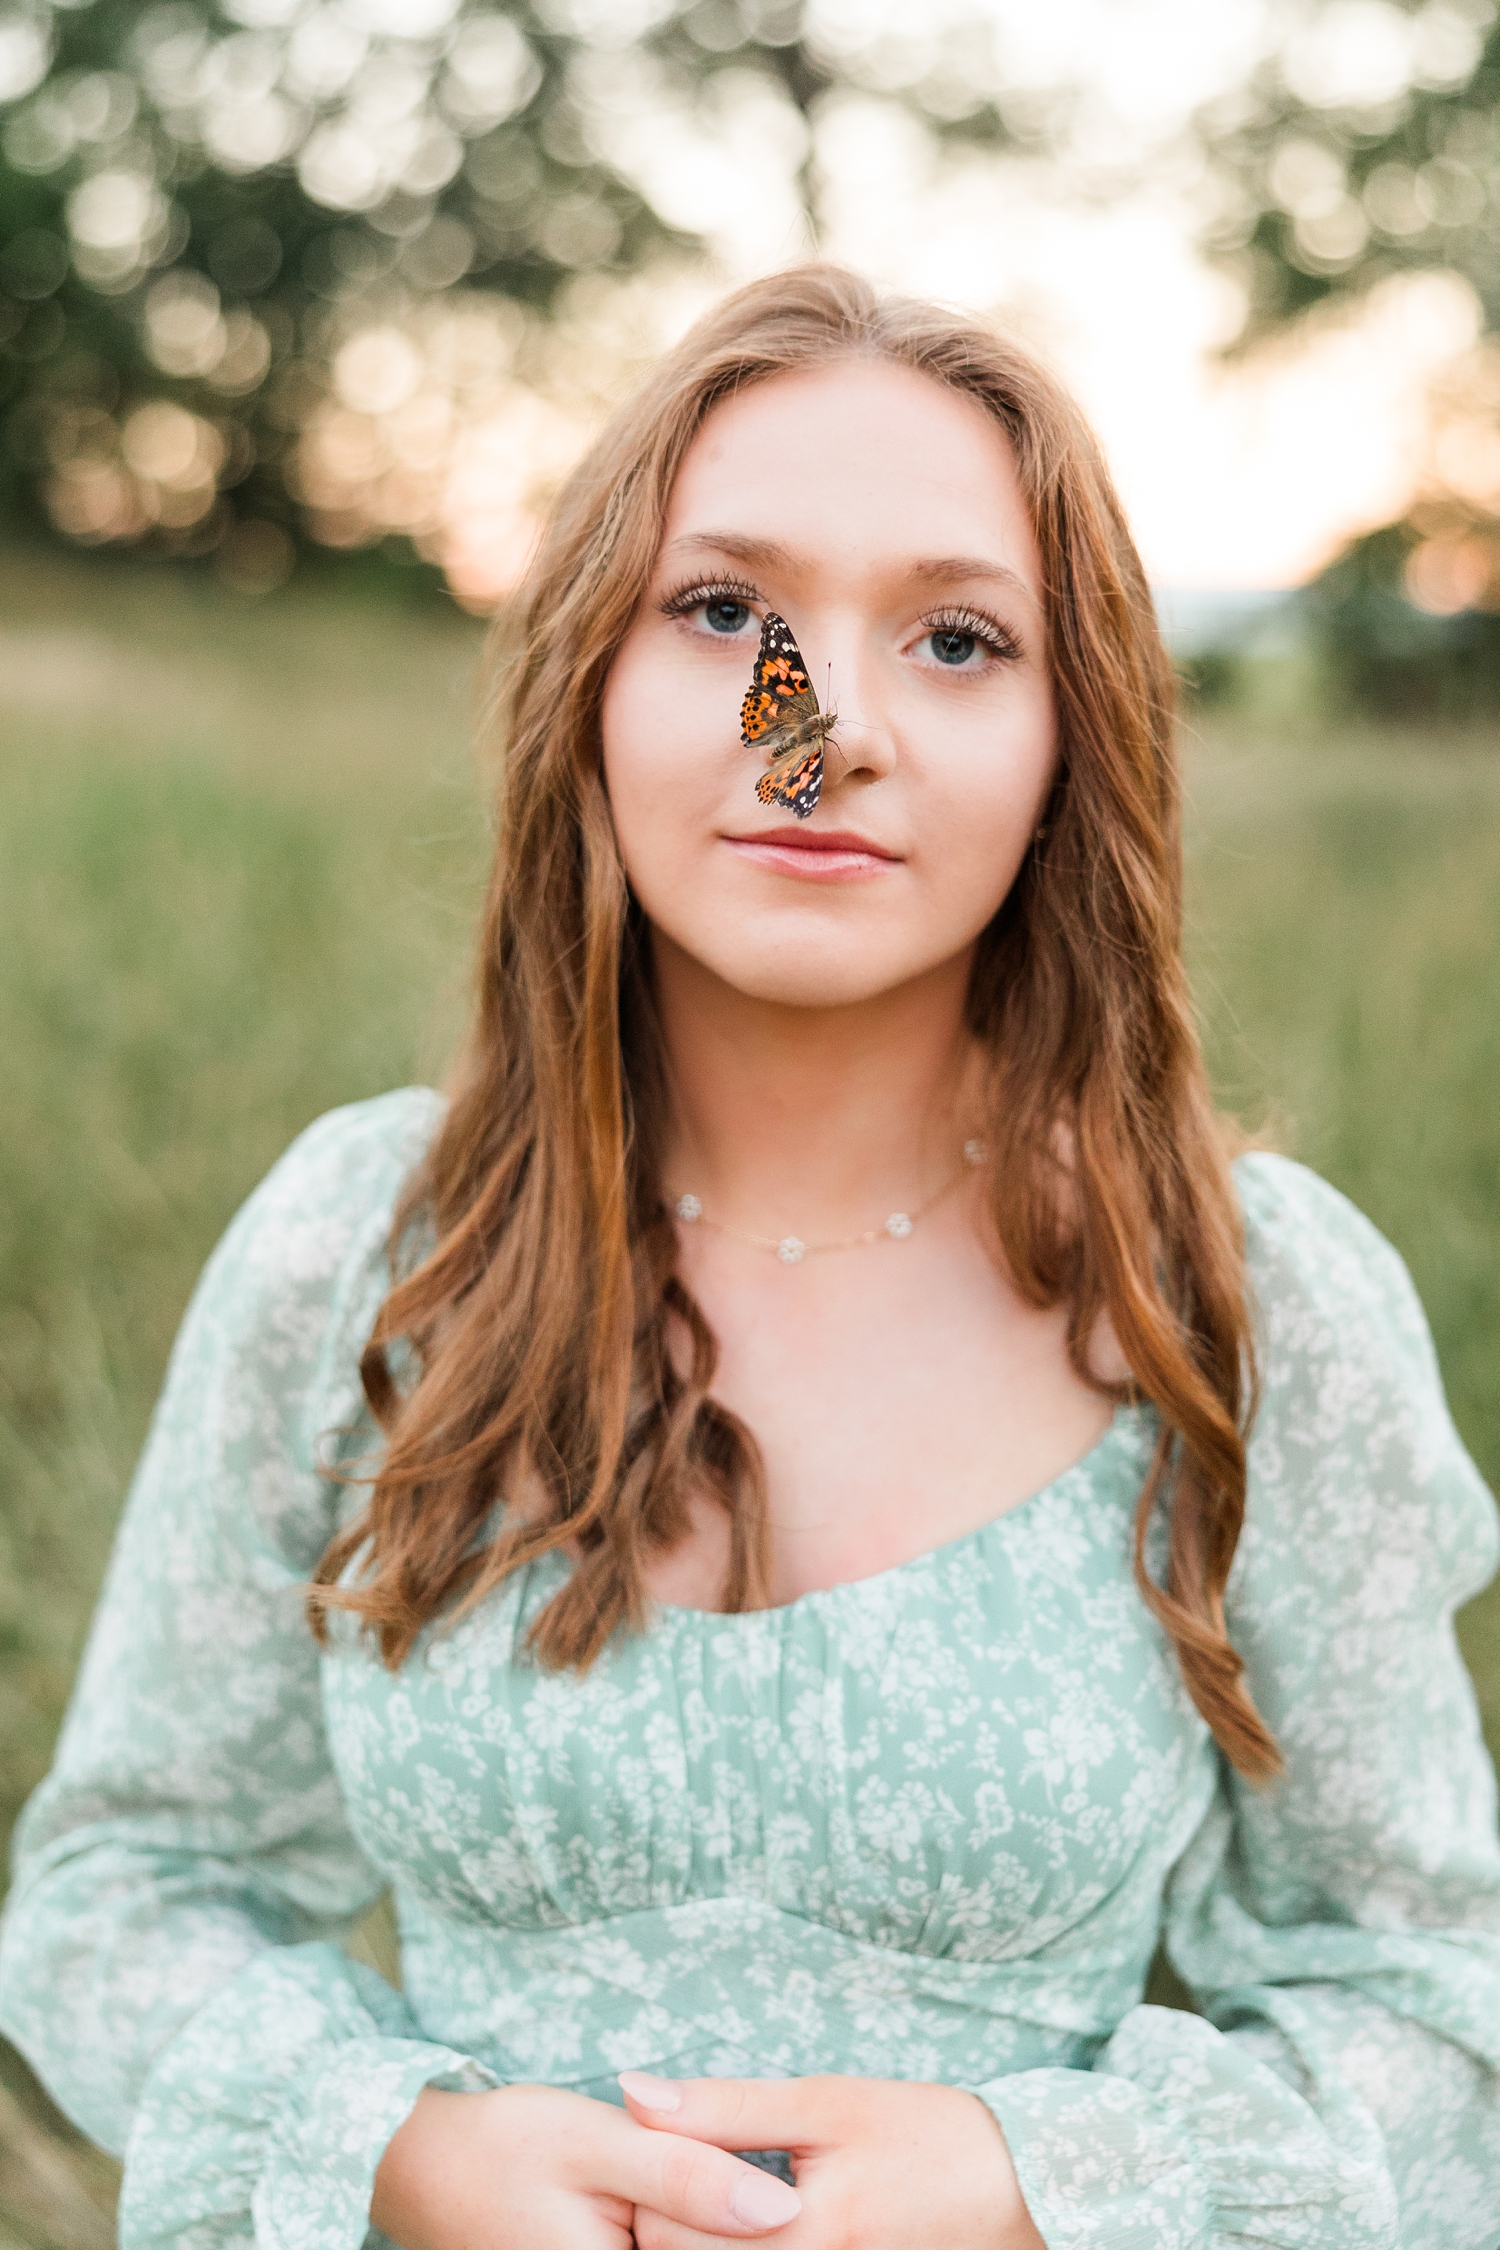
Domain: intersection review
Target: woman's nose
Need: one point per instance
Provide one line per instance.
(863, 734)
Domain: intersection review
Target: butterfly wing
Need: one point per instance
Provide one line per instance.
(780, 718)
(794, 787)
(780, 695)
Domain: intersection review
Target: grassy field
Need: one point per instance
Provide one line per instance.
(239, 850)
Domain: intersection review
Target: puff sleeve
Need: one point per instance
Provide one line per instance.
(1340, 1930)
(170, 1959)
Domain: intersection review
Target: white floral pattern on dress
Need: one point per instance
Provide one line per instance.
(926, 1826)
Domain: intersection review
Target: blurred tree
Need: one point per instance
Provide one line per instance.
(1402, 659)
(237, 237)
(1368, 146)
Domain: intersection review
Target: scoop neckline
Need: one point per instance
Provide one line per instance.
(1125, 1417)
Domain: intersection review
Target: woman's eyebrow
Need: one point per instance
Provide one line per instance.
(765, 552)
(934, 570)
(945, 569)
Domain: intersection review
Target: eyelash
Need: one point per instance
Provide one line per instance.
(984, 629)
(694, 592)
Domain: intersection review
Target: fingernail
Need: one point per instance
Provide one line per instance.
(651, 2093)
(759, 2200)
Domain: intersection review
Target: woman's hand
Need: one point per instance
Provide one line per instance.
(534, 2168)
(880, 2163)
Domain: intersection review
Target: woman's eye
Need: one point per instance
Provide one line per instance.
(725, 616)
(951, 647)
(964, 641)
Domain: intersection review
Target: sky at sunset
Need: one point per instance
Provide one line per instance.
(1243, 474)
(1235, 476)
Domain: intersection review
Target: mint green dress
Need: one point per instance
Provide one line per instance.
(929, 1826)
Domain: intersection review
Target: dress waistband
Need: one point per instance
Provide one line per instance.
(733, 1987)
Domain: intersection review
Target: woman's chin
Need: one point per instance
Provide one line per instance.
(798, 978)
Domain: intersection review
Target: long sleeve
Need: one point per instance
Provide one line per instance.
(1340, 1930)
(170, 1960)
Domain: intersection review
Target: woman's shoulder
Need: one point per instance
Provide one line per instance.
(1352, 1435)
(313, 1238)
(1287, 1208)
(263, 1389)
(351, 1161)
(1312, 1257)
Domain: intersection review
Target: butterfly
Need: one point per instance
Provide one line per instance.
(780, 718)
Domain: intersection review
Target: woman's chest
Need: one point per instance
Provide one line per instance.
(957, 1757)
(898, 1404)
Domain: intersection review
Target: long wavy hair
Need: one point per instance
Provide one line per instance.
(545, 1335)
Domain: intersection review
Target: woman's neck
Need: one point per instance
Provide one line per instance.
(814, 1120)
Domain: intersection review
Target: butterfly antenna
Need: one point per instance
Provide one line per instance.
(831, 738)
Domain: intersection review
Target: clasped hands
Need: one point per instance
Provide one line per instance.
(881, 2164)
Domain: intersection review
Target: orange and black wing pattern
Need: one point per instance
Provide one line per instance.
(780, 718)
(795, 787)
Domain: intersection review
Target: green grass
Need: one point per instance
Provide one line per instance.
(239, 851)
(1344, 918)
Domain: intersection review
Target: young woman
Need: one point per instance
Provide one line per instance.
(769, 1452)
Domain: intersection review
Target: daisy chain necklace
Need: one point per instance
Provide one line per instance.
(791, 1250)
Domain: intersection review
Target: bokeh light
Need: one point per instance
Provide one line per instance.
(443, 236)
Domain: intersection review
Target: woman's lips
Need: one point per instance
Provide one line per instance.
(834, 855)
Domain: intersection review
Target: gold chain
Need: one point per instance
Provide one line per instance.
(791, 1250)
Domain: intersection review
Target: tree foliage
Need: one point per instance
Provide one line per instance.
(1366, 147)
(1367, 144)
(202, 201)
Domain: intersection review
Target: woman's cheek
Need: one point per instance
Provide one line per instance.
(662, 774)
(996, 782)
(636, 753)
(976, 880)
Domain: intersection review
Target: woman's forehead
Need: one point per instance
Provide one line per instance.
(853, 455)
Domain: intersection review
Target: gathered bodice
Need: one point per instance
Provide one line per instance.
(941, 1803)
